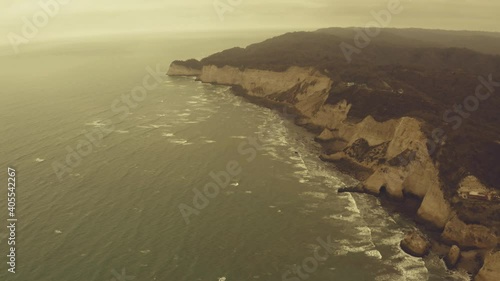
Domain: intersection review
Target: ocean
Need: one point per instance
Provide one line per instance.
(126, 174)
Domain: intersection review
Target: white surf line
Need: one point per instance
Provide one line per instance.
(364, 230)
(303, 163)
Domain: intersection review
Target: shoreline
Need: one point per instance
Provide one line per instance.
(407, 203)
(397, 205)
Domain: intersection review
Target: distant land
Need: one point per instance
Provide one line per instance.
(413, 114)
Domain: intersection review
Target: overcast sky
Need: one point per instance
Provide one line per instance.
(84, 17)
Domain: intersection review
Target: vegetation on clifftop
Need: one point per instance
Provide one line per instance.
(431, 75)
(192, 63)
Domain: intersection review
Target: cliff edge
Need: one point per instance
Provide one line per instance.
(394, 124)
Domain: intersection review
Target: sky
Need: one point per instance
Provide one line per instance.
(88, 17)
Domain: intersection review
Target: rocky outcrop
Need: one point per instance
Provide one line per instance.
(325, 136)
(393, 152)
(471, 261)
(415, 244)
(188, 68)
(305, 88)
(491, 268)
(469, 236)
(350, 189)
(380, 146)
(451, 259)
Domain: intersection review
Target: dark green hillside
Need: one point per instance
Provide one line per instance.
(431, 67)
(484, 42)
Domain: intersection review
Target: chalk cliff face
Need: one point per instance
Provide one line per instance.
(307, 89)
(490, 270)
(181, 70)
(395, 151)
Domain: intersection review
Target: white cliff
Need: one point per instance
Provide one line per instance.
(407, 167)
(309, 89)
(181, 70)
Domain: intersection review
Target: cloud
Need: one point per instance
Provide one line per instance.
(108, 16)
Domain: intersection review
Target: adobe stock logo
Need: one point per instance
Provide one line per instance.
(310, 264)
(372, 29)
(219, 180)
(121, 276)
(221, 7)
(48, 9)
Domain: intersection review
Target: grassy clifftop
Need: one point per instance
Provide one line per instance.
(432, 75)
(448, 82)
(322, 50)
(192, 63)
(427, 74)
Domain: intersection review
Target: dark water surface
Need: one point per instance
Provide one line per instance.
(115, 213)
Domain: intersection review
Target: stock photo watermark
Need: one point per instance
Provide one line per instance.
(310, 264)
(455, 117)
(47, 10)
(222, 7)
(11, 219)
(372, 29)
(121, 276)
(122, 107)
(220, 180)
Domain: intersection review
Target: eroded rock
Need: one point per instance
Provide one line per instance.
(352, 189)
(491, 268)
(469, 236)
(326, 135)
(452, 257)
(470, 261)
(415, 244)
(185, 68)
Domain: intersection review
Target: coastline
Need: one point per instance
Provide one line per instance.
(386, 157)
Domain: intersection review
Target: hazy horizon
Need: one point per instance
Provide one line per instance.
(89, 18)
(250, 140)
